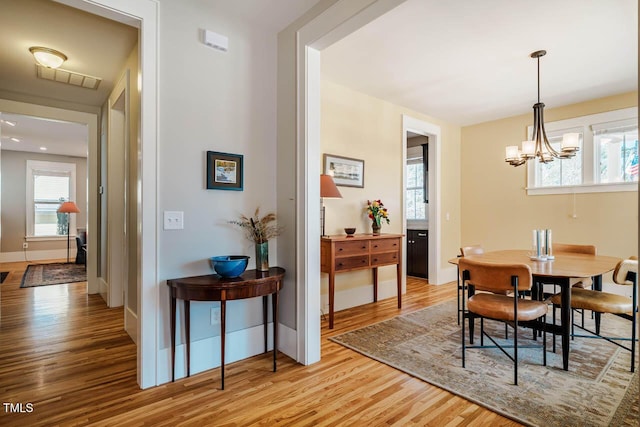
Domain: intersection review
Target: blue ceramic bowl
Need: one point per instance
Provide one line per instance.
(229, 265)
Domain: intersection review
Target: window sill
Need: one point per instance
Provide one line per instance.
(585, 188)
(48, 238)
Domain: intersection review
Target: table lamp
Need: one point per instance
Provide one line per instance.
(68, 208)
(327, 189)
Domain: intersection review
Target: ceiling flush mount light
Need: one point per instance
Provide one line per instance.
(539, 146)
(47, 57)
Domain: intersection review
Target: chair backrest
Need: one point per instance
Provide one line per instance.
(624, 267)
(495, 277)
(471, 250)
(574, 249)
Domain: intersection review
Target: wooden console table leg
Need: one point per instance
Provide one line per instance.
(265, 306)
(332, 283)
(187, 329)
(223, 316)
(375, 284)
(172, 303)
(274, 302)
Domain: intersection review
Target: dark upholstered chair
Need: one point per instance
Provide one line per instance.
(496, 304)
(625, 273)
(81, 243)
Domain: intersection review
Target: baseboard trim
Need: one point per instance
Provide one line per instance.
(28, 256)
(131, 324)
(239, 345)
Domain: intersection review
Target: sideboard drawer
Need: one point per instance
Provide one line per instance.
(352, 248)
(385, 245)
(384, 258)
(352, 262)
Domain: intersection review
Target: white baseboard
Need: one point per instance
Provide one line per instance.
(103, 289)
(28, 255)
(239, 345)
(287, 341)
(447, 275)
(131, 324)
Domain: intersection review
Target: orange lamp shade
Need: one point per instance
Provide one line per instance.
(328, 187)
(68, 207)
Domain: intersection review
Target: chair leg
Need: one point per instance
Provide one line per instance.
(515, 351)
(463, 338)
(544, 341)
(553, 310)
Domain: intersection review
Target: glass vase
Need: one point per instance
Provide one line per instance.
(375, 228)
(262, 256)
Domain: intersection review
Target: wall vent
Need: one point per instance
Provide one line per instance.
(69, 77)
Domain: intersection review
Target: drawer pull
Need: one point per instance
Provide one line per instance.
(375, 260)
(375, 246)
(340, 264)
(340, 249)
(364, 261)
(422, 234)
(364, 247)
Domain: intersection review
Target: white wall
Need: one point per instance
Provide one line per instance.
(210, 100)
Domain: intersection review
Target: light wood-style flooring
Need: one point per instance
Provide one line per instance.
(65, 353)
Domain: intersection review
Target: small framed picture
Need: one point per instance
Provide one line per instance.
(224, 171)
(346, 171)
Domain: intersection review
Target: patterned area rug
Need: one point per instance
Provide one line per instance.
(598, 389)
(53, 274)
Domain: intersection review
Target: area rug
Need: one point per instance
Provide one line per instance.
(53, 274)
(598, 389)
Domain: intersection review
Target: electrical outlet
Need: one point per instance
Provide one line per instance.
(215, 316)
(25, 245)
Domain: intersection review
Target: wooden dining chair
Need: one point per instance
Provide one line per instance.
(578, 282)
(625, 274)
(464, 251)
(504, 283)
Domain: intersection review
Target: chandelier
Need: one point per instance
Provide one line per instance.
(539, 146)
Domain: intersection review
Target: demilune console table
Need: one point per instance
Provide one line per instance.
(212, 287)
(341, 253)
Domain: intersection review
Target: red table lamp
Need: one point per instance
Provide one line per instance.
(68, 208)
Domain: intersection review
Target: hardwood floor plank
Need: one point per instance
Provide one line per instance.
(66, 353)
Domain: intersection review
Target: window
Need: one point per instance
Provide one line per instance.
(48, 185)
(559, 173)
(617, 154)
(607, 160)
(416, 208)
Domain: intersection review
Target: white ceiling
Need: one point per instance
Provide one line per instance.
(463, 61)
(467, 61)
(95, 46)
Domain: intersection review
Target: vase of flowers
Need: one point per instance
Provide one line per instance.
(377, 213)
(259, 231)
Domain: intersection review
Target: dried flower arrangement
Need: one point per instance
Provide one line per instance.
(259, 230)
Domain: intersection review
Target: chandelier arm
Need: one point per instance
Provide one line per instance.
(547, 145)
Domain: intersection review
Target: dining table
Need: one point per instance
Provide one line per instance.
(557, 271)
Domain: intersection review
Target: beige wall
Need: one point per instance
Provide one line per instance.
(360, 126)
(498, 213)
(132, 185)
(14, 212)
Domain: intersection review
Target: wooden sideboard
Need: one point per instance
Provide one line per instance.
(341, 253)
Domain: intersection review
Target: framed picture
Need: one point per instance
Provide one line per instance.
(224, 171)
(346, 172)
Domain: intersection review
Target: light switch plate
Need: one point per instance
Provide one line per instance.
(173, 220)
